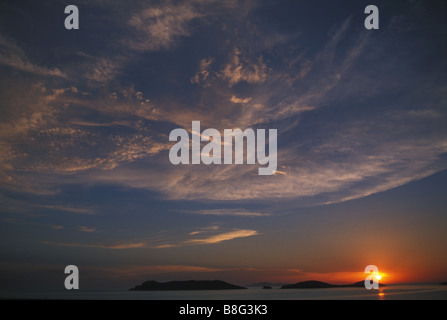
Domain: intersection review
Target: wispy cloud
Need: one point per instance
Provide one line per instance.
(86, 229)
(119, 246)
(230, 212)
(67, 146)
(223, 237)
(368, 162)
(50, 132)
(204, 230)
(161, 27)
(70, 209)
(104, 69)
(13, 56)
(208, 239)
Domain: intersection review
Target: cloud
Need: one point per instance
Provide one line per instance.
(68, 209)
(234, 99)
(104, 69)
(223, 237)
(203, 73)
(52, 142)
(210, 238)
(230, 212)
(13, 56)
(350, 161)
(86, 229)
(119, 246)
(204, 230)
(329, 160)
(160, 27)
(155, 269)
(69, 133)
(209, 235)
(241, 70)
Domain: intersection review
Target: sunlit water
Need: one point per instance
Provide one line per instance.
(391, 292)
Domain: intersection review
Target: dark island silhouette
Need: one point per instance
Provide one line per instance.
(313, 284)
(222, 285)
(267, 284)
(443, 283)
(187, 285)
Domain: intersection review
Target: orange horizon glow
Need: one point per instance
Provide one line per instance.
(343, 277)
(245, 276)
(387, 276)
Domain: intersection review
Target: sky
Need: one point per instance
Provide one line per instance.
(85, 176)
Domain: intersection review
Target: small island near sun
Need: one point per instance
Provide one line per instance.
(313, 284)
(187, 285)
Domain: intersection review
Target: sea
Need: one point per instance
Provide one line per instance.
(390, 292)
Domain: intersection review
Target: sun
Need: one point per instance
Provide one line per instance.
(378, 277)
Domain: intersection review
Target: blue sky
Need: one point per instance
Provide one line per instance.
(86, 115)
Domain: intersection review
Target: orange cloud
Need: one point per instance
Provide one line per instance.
(230, 212)
(86, 229)
(103, 246)
(224, 237)
(238, 233)
(235, 99)
(236, 70)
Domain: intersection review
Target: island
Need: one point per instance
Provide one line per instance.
(266, 284)
(313, 284)
(187, 285)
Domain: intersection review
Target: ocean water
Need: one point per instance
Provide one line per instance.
(390, 292)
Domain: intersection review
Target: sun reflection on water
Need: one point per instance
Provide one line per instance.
(381, 294)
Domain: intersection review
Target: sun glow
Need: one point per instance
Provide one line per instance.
(380, 276)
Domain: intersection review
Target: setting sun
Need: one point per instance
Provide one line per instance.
(378, 277)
